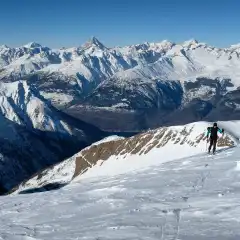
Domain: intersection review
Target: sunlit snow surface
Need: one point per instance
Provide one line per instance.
(192, 198)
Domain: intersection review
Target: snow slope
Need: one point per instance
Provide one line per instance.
(195, 197)
(60, 173)
(35, 135)
(115, 155)
(21, 104)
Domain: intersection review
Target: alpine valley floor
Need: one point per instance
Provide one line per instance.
(191, 198)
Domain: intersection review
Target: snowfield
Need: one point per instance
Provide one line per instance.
(191, 198)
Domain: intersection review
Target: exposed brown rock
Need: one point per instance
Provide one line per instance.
(200, 138)
(183, 141)
(151, 146)
(81, 165)
(225, 141)
(140, 144)
(177, 140)
(104, 150)
(166, 138)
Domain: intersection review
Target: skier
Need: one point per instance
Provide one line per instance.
(213, 132)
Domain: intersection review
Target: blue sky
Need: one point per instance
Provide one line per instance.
(57, 23)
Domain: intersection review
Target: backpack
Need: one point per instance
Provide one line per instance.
(214, 131)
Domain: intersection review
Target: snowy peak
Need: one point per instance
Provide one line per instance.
(94, 42)
(167, 44)
(190, 42)
(23, 105)
(33, 45)
(235, 47)
(96, 63)
(96, 71)
(162, 46)
(3, 47)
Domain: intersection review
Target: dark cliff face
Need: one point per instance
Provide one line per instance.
(33, 150)
(227, 108)
(131, 107)
(137, 94)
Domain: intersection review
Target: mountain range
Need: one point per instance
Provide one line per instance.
(143, 86)
(56, 102)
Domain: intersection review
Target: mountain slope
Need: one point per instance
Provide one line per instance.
(191, 198)
(118, 156)
(34, 135)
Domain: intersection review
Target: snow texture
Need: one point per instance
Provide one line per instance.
(19, 103)
(191, 198)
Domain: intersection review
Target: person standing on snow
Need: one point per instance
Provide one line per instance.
(213, 132)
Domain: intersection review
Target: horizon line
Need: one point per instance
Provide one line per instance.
(93, 38)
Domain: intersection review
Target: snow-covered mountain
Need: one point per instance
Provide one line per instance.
(143, 86)
(196, 197)
(117, 155)
(118, 89)
(34, 135)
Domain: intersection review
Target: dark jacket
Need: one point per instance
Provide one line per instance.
(213, 132)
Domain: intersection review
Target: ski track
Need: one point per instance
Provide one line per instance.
(192, 198)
